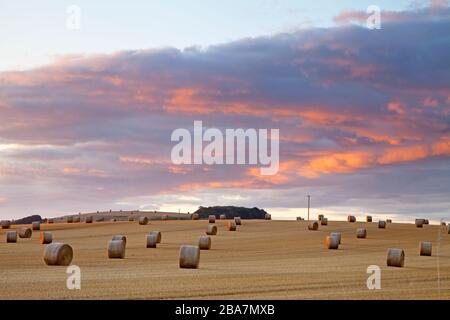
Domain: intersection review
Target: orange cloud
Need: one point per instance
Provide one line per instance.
(396, 107)
(73, 171)
(404, 154)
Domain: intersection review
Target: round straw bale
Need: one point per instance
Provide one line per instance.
(158, 235)
(76, 219)
(388, 220)
(381, 224)
(50, 221)
(419, 223)
(195, 216)
(45, 237)
(70, 219)
(143, 221)
(113, 220)
(324, 221)
(361, 233)
(443, 223)
(299, 218)
(231, 226)
(351, 219)
(332, 242)
(395, 257)
(425, 248)
(368, 218)
(116, 249)
(189, 257)
(11, 236)
(36, 225)
(338, 235)
(25, 232)
(448, 228)
(6, 224)
(313, 225)
(58, 254)
(120, 237)
(238, 221)
(320, 217)
(223, 217)
(211, 230)
(212, 218)
(425, 221)
(268, 216)
(204, 243)
(130, 218)
(88, 219)
(152, 240)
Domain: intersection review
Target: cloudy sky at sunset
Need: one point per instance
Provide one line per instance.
(364, 115)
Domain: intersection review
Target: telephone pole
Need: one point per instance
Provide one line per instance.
(309, 204)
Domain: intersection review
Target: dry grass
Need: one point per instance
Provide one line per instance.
(261, 260)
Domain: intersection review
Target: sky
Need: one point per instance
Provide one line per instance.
(86, 115)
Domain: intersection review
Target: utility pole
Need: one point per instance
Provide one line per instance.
(309, 204)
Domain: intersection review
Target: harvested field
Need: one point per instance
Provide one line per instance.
(261, 260)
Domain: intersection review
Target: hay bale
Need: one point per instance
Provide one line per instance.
(443, 223)
(50, 221)
(45, 237)
(238, 221)
(70, 219)
(388, 220)
(204, 243)
(89, 219)
(268, 216)
(338, 235)
(425, 221)
(324, 222)
(189, 257)
(395, 257)
(425, 248)
(223, 217)
(448, 228)
(381, 224)
(113, 220)
(368, 218)
(76, 219)
(419, 223)
(299, 219)
(36, 225)
(25, 232)
(158, 235)
(58, 254)
(11, 237)
(351, 219)
(313, 225)
(211, 230)
(151, 240)
(231, 226)
(120, 237)
(332, 242)
(212, 218)
(195, 216)
(361, 233)
(116, 249)
(6, 224)
(143, 221)
(320, 217)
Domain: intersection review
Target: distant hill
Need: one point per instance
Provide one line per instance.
(231, 212)
(28, 220)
